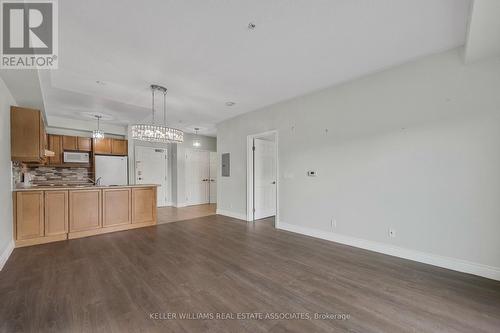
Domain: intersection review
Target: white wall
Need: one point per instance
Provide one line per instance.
(415, 148)
(6, 232)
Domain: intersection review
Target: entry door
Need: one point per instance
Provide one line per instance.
(197, 177)
(151, 168)
(213, 177)
(264, 178)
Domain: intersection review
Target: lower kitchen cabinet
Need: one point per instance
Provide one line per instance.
(116, 207)
(49, 215)
(144, 205)
(84, 210)
(29, 219)
(56, 212)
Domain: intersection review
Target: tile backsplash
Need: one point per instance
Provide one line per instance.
(47, 175)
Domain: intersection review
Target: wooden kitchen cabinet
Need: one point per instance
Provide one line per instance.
(56, 212)
(56, 145)
(116, 207)
(84, 144)
(144, 205)
(102, 146)
(84, 210)
(119, 147)
(27, 135)
(70, 142)
(47, 215)
(109, 146)
(29, 219)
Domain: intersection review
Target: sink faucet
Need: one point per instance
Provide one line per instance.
(96, 182)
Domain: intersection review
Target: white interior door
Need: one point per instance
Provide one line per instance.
(264, 178)
(197, 177)
(151, 168)
(213, 177)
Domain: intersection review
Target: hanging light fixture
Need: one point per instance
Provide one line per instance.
(98, 133)
(154, 132)
(196, 141)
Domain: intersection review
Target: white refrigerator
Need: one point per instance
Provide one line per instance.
(112, 170)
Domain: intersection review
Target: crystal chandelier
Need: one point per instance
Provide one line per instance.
(98, 133)
(157, 133)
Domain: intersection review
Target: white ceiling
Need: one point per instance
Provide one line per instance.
(204, 53)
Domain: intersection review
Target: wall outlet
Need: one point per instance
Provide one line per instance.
(392, 233)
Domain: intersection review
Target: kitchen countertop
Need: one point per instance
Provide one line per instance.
(75, 187)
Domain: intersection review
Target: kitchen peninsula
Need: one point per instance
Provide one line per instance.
(54, 213)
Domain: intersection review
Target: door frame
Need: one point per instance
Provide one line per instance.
(168, 192)
(250, 203)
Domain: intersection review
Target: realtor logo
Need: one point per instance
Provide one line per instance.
(29, 34)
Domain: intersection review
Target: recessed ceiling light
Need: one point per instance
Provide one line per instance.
(230, 103)
(251, 26)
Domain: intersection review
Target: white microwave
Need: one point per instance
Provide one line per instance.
(70, 157)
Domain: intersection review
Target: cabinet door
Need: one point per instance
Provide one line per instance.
(69, 142)
(116, 207)
(119, 147)
(55, 145)
(144, 205)
(56, 212)
(29, 214)
(84, 144)
(25, 134)
(84, 210)
(102, 146)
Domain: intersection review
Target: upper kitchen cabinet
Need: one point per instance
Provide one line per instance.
(76, 143)
(27, 135)
(84, 144)
(69, 142)
(119, 147)
(56, 145)
(109, 146)
(102, 146)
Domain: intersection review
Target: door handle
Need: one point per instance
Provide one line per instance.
(273, 183)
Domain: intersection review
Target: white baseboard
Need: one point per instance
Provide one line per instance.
(180, 205)
(4, 256)
(423, 257)
(231, 214)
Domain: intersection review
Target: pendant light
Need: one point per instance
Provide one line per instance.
(98, 133)
(157, 133)
(196, 141)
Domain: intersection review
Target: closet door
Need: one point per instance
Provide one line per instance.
(197, 177)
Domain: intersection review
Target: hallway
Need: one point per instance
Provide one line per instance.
(174, 214)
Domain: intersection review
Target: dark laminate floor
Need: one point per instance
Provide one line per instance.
(111, 283)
